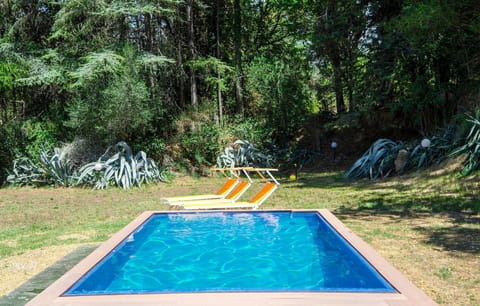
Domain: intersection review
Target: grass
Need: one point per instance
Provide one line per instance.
(427, 225)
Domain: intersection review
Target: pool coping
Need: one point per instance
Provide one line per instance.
(408, 294)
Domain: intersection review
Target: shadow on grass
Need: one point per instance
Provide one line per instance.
(400, 198)
(396, 193)
(337, 180)
(454, 238)
(410, 203)
(461, 234)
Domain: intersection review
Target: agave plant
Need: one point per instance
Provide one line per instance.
(242, 153)
(377, 161)
(437, 150)
(471, 148)
(47, 169)
(26, 171)
(121, 168)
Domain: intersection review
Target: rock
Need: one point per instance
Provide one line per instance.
(401, 160)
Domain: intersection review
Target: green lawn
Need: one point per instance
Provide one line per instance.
(427, 226)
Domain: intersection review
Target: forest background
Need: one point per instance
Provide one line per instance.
(183, 79)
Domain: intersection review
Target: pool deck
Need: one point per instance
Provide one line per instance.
(407, 294)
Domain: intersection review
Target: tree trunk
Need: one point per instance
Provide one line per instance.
(238, 55)
(191, 51)
(179, 36)
(14, 108)
(351, 102)
(149, 48)
(333, 53)
(4, 111)
(337, 81)
(122, 29)
(181, 82)
(148, 32)
(217, 51)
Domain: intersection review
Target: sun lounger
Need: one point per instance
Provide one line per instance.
(226, 188)
(234, 195)
(222, 193)
(254, 203)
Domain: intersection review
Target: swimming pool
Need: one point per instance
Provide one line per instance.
(229, 251)
(233, 258)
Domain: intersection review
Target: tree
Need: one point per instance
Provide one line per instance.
(414, 68)
(237, 13)
(337, 28)
(218, 10)
(191, 53)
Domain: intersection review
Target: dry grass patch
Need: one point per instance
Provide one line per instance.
(447, 273)
(15, 270)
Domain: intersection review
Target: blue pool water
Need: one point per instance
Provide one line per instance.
(232, 251)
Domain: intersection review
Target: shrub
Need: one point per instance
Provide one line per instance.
(243, 154)
(29, 138)
(81, 151)
(199, 139)
(377, 161)
(40, 136)
(153, 146)
(246, 128)
(202, 145)
(48, 168)
(111, 99)
(302, 157)
(471, 148)
(440, 147)
(121, 168)
(12, 141)
(380, 157)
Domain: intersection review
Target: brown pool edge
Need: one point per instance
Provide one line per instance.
(408, 294)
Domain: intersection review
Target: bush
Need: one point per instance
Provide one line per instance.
(40, 136)
(28, 139)
(202, 145)
(121, 168)
(471, 148)
(12, 141)
(81, 151)
(111, 99)
(243, 154)
(377, 161)
(299, 158)
(154, 147)
(199, 139)
(440, 147)
(246, 128)
(47, 168)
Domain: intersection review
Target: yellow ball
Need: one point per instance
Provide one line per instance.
(293, 177)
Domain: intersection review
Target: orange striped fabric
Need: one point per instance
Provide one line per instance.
(262, 193)
(238, 190)
(226, 187)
